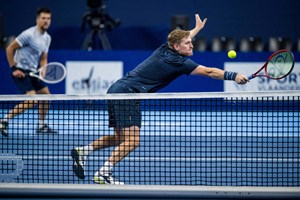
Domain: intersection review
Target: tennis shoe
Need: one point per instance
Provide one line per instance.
(107, 179)
(78, 162)
(45, 129)
(3, 128)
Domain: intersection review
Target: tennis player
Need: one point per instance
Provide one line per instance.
(167, 63)
(26, 53)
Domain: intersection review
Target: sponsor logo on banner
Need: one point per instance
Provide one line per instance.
(92, 77)
(291, 82)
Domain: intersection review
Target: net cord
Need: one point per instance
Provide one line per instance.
(180, 95)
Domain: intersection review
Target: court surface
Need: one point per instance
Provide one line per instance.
(179, 148)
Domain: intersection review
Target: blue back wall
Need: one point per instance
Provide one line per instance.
(234, 18)
(130, 60)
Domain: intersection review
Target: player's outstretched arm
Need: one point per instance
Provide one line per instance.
(198, 26)
(208, 71)
(220, 74)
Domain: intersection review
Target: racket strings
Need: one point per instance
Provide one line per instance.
(280, 65)
(53, 72)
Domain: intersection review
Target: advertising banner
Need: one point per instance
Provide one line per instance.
(92, 77)
(291, 82)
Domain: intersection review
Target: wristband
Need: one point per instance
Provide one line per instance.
(230, 75)
(13, 68)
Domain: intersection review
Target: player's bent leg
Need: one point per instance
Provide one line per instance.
(43, 107)
(44, 90)
(18, 109)
(107, 141)
(131, 140)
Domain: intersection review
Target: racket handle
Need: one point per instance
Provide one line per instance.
(250, 77)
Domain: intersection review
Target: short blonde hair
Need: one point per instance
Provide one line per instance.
(176, 36)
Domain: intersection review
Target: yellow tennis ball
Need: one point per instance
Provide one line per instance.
(231, 54)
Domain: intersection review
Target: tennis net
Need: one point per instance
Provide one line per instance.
(211, 139)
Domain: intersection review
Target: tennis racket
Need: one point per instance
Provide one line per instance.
(53, 72)
(279, 65)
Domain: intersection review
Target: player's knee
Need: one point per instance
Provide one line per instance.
(135, 141)
(118, 139)
(30, 103)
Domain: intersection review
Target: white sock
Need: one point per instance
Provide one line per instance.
(87, 149)
(41, 123)
(106, 169)
(5, 119)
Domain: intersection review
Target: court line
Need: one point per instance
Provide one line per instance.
(163, 159)
(153, 129)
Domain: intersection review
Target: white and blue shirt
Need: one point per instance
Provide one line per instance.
(33, 43)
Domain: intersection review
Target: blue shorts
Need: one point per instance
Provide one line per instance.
(28, 83)
(123, 113)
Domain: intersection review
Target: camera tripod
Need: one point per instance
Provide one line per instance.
(94, 37)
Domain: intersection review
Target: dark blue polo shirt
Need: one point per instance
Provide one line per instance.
(158, 70)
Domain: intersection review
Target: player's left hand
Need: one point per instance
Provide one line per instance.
(199, 23)
(241, 79)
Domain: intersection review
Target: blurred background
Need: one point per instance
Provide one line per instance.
(87, 34)
(248, 25)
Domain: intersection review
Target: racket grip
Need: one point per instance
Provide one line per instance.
(250, 77)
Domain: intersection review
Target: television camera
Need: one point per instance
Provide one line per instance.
(99, 22)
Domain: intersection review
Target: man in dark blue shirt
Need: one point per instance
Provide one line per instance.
(166, 63)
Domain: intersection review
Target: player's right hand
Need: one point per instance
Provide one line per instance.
(18, 74)
(241, 79)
